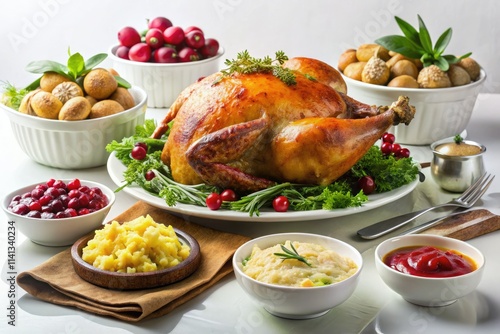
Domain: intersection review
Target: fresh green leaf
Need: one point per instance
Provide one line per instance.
(122, 82)
(76, 64)
(42, 66)
(442, 63)
(425, 38)
(442, 42)
(408, 30)
(95, 60)
(400, 45)
(34, 85)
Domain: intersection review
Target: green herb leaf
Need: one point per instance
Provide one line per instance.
(443, 41)
(425, 38)
(400, 45)
(246, 64)
(95, 60)
(42, 66)
(76, 64)
(408, 30)
(122, 82)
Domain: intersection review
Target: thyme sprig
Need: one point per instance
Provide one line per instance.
(291, 254)
(246, 64)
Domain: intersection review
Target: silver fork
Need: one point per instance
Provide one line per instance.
(466, 200)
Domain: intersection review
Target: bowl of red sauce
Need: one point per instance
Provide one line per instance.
(429, 270)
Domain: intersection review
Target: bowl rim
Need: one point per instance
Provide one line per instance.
(481, 262)
(142, 95)
(112, 49)
(237, 268)
(110, 194)
(384, 88)
(435, 144)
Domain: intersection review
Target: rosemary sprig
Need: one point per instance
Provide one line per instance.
(291, 254)
(245, 64)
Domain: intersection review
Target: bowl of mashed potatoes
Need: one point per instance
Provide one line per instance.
(136, 254)
(297, 275)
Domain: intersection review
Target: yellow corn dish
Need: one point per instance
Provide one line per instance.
(140, 245)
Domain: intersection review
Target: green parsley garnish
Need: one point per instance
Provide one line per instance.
(291, 254)
(245, 64)
(458, 139)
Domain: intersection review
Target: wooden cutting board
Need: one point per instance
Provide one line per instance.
(467, 225)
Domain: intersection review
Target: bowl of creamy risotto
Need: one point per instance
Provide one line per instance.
(297, 275)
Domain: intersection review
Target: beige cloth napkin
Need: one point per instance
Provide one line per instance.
(56, 281)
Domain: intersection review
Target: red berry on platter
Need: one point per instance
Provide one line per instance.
(281, 204)
(366, 184)
(395, 147)
(213, 201)
(228, 195)
(388, 137)
(149, 175)
(129, 36)
(403, 153)
(386, 148)
(138, 153)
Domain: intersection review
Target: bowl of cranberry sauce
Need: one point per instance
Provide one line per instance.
(429, 270)
(58, 212)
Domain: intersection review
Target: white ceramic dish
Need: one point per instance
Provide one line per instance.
(75, 144)
(116, 169)
(441, 113)
(62, 231)
(293, 302)
(429, 291)
(164, 82)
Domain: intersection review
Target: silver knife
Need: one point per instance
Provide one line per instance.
(430, 223)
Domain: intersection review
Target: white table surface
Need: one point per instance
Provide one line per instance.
(225, 308)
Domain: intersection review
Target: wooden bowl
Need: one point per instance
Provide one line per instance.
(146, 280)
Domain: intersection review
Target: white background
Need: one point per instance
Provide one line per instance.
(45, 29)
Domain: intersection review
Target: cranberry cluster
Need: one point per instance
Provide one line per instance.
(57, 199)
(389, 146)
(164, 42)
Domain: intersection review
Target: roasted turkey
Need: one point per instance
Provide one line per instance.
(248, 131)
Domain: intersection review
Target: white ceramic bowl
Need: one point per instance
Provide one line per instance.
(441, 113)
(164, 82)
(61, 231)
(293, 302)
(427, 291)
(75, 144)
